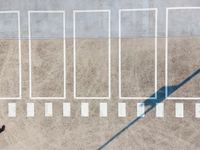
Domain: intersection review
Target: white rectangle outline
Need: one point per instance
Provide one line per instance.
(155, 42)
(109, 52)
(19, 56)
(166, 55)
(64, 54)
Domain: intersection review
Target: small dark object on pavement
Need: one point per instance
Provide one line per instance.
(2, 128)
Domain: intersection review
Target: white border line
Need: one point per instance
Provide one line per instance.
(64, 54)
(166, 54)
(156, 67)
(109, 52)
(19, 56)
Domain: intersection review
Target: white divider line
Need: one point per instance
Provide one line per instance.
(11, 109)
(179, 108)
(121, 109)
(30, 110)
(84, 109)
(160, 110)
(103, 110)
(48, 110)
(66, 110)
(140, 110)
(197, 110)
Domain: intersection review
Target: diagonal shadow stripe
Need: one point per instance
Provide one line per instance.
(151, 103)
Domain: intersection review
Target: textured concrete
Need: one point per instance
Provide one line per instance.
(79, 133)
(88, 133)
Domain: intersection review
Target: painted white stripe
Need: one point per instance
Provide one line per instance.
(66, 110)
(140, 109)
(84, 109)
(179, 110)
(103, 110)
(12, 109)
(48, 110)
(197, 110)
(160, 110)
(121, 109)
(30, 110)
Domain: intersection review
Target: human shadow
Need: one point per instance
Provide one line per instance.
(150, 103)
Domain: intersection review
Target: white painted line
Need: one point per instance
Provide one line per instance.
(30, 110)
(103, 110)
(19, 56)
(179, 110)
(47, 11)
(48, 110)
(197, 110)
(166, 52)
(160, 110)
(140, 110)
(84, 109)
(30, 53)
(155, 56)
(109, 52)
(138, 9)
(92, 10)
(178, 8)
(121, 109)
(11, 109)
(66, 110)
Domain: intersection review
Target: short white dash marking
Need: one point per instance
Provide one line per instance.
(103, 110)
(179, 110)
(48, 110)
(84, 109)
(197, 110)
(66, 110)
(121, 109)
(140, 110)
(30, 110)
(160, 110)
(12, 109)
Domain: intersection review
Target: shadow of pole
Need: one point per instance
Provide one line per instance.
(150, 103)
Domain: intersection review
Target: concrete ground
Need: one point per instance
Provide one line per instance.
(88, 133)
